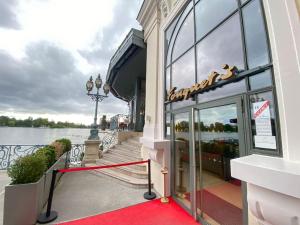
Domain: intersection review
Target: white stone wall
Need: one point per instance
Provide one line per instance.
(283, 23)
(284, 33)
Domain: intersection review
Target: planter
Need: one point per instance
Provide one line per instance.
(59, 164)
(24, 202)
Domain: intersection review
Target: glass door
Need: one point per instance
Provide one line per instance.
(218, 138)
(181, 158)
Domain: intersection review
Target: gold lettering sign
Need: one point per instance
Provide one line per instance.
(213, 77)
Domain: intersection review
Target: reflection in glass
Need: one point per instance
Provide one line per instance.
(255, 35)
(222, 46)
(184, 41)
(261, 80)
(211, 12)
(170, 30)
(182, 162)
(217, 191)
(267, 128)
(168, 85)
(168, 107)
(180, 20)
(224, 91)
(168, 125)
(183, 76)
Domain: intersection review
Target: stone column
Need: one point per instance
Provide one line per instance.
(92, 152)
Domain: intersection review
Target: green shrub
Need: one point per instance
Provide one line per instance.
(58, 148)
(27, 169)
(67, 144)
(48, 152)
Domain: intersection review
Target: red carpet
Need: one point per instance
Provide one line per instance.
(219, 210)
(149, 213)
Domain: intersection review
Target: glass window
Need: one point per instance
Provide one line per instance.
(211, 12)
(168, 107)
(223, 46)
(183, 76)
(183, 71)
(243, 1)
(180, 20)
(182, 158)
(170, 30)
(255, 35)
(168, 85)
(168, 125)
(184, 41)
(261, 80)
(263, 121)
(224, 91)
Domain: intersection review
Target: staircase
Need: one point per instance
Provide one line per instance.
(128, 151)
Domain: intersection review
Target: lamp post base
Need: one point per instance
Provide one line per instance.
(94, 134)
(92, 152)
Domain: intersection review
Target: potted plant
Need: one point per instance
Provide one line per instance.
(22, 201)
(31, 177)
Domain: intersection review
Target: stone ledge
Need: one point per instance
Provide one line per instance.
(276, 174)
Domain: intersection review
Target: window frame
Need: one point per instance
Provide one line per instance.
(248, 72)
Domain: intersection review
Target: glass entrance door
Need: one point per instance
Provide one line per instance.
(181, 158)
(218, 138)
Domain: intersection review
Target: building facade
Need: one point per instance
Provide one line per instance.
(126, 77)
(221, 108)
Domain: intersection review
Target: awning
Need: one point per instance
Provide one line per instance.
(127, 65)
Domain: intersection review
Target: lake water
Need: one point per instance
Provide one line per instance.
(42, 136)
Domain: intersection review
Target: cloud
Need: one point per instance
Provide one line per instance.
(8, 17)
(110, 37)
(48, 78)
(47, 81)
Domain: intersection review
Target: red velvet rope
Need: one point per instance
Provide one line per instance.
(99, 167)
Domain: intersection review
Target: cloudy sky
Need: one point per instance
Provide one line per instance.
(48, 50)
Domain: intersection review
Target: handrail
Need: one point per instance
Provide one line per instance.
(9, 153)
(109, 140)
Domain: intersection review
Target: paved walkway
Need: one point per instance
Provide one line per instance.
(82, 194)
(4, 180)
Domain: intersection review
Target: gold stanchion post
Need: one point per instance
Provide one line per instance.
(164, 199)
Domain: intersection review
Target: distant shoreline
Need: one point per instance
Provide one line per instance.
(48, 127)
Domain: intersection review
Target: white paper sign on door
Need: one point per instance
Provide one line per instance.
(262, 118)
(265, 142)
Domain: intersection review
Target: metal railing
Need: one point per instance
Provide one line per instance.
(9, 153)
(109, 140)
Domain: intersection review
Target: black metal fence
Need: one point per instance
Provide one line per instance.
(9, 153)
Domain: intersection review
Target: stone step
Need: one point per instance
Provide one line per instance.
(116, 160)
(134, 142)
(131, 146)
(127, 170)
(128, 149)
(122, 156)
(128, 180)
(137, 138)
(127, 152)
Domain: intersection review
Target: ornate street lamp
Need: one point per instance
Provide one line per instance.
(97, 98)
